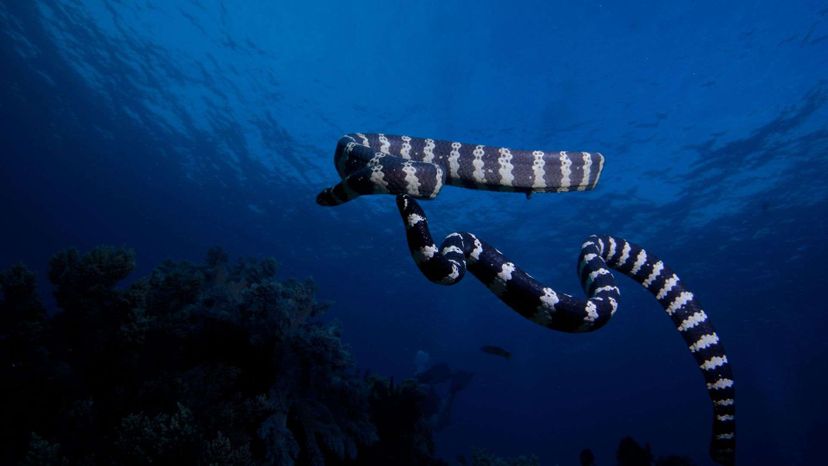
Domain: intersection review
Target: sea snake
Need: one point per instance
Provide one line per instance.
(379, 164)
(418, 168)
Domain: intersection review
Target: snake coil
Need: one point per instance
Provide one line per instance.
(418, 168)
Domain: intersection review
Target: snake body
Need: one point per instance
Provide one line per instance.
(379, 163)
(417, 168)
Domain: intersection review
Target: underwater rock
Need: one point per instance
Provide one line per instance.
(587, 458)
(630, 453)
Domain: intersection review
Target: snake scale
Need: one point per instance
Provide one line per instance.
(413, 168)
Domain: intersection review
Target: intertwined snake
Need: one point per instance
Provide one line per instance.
(418, 168)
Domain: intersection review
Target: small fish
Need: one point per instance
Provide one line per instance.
(496, 351)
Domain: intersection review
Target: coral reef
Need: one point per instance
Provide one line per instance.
(212, 363)
(631, 453)
(587, 458)
(402, 414)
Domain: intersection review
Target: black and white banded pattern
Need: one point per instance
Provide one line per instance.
(420, 167)
(459, 252)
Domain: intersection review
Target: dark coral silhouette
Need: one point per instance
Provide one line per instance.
(586, 458)
(631, 453)
(194, 364)
(402, 414)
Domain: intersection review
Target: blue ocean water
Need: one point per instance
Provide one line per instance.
(173, 126)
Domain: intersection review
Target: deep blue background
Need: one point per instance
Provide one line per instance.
(171, 126)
